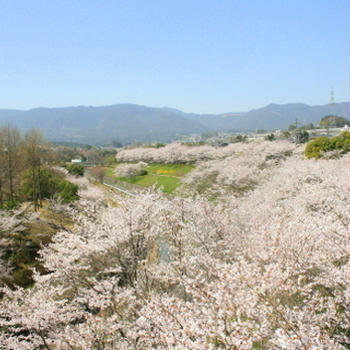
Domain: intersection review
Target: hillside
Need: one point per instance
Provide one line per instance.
(250, 252)
(130, 123)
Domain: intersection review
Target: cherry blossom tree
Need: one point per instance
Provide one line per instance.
(264, 270)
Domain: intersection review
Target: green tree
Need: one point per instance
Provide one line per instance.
(286, 134)
(334, 121)
(309, 126)
(301, 136)
(34, 145)
(10, 141)
(75, 169)
(270, 137)
(51, 185)
(47, 183)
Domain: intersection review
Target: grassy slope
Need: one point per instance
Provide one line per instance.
(162, 175)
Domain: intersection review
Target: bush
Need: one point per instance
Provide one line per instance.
(75, 169)
(317, 147)
(9, 204)
(238, 138)
(270, 137)
(68, 192)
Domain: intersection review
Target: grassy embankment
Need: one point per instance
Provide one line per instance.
(167, 176)
(27, 239)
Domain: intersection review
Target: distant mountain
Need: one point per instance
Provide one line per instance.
(130, 123)
(279, 116)
(96, 125)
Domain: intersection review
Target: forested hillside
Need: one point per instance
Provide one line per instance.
(128, 123)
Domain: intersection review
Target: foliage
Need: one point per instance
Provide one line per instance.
(268, 271)
(43, 179)
(193, 143)
(234, 166)
(26, 232)
(238, 138)
(10, 165)
(286, 134)
(75, 169)
(333, 121)
(67, 191)
(270, 137)
(301, 136)
(49, 183)
(154, 145)
(309, 126)
(317, 147)
(9, 204)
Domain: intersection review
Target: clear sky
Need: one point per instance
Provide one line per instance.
(207, 56)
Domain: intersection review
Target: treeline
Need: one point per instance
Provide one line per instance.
(25, 171)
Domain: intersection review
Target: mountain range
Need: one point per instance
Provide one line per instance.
(130, 122)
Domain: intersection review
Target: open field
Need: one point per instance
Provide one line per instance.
(166, 176)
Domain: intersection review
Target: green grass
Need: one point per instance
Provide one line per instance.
(109, 173)
(169, 169)
(166, 176)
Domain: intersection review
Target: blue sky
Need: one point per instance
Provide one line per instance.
(195, 55)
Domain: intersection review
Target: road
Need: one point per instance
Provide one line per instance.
(119, 189)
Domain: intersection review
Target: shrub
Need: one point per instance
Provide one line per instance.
(320, 145)
(234, 139)
(270, 137)
(75, 169)
(342, 142)
(9, 204)
(68, 192)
